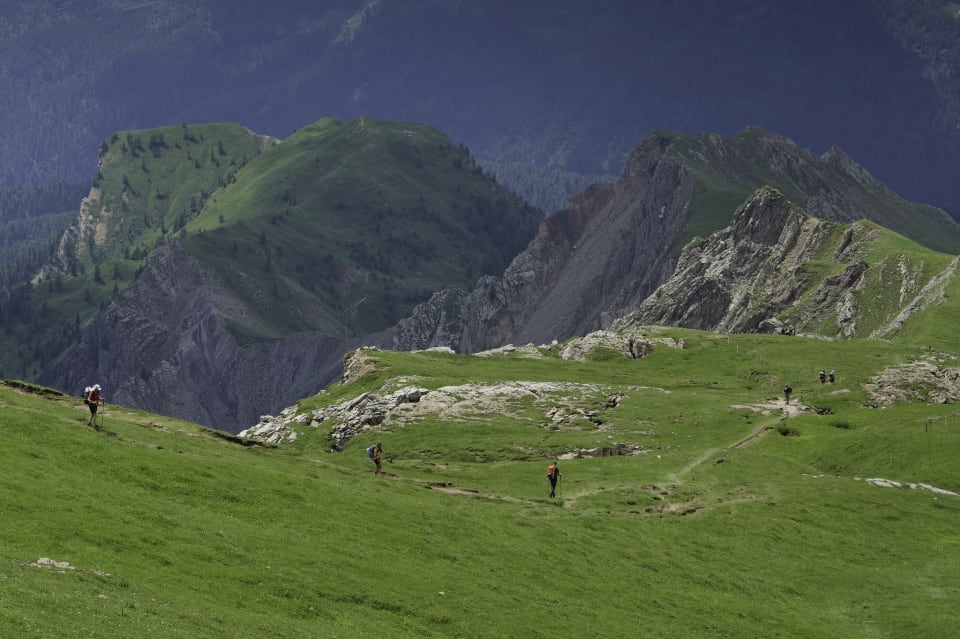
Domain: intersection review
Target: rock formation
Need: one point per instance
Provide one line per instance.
(166, 345)
(602, 254)
(601, 257)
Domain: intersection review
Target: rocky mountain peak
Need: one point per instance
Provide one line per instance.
(588, 262)
(719, 280)
(836, 158)
(755, 276)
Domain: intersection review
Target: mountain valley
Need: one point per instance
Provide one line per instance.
(700, 256)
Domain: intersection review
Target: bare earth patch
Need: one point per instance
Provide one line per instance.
(776, 406)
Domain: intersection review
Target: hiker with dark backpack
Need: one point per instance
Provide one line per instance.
(553, 474)
(374, 452)
(93, 401)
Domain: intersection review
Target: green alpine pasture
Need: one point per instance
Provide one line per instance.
(736, 516)
(370, 217)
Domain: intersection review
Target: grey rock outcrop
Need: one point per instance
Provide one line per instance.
(630, 342)
(741, 277)
(348, 418)
(926, 381)
(563, 405)
(754, 276)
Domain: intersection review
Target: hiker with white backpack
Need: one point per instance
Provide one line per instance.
(374, 452)
(93, 399)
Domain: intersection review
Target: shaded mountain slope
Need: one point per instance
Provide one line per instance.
(180, 342)
(616, 243)
(260, 284)
(831, 186)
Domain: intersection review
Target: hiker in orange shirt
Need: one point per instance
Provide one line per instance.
(553, 474)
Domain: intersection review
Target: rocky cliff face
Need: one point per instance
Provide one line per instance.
(742, 277)
(168, 345)
(614, 245)
(602, 254)
(756, 276)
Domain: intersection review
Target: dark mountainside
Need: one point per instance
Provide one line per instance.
(541, 92)
(601, 257)
(272, 258)
(165, 345)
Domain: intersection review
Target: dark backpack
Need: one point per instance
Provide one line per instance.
(370, 451)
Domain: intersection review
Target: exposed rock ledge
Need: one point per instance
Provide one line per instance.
(402, 400)
(923, 381)
(562, 405)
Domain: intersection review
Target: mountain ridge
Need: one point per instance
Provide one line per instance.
(329, 240)
(263, 277)
(674, 189)
(566, 91)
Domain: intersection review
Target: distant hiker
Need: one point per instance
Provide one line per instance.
(832, 377)
(786, 392)
(823, 377)
(93, 400)
(374, 452)
(553, 474)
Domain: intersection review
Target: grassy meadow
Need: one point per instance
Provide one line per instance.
(733, 520)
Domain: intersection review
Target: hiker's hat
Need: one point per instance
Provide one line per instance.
(96, 387)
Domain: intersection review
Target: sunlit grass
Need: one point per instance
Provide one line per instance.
(717, 525)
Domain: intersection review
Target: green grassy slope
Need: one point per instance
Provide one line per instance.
(154, 182)
(734, 521)
(898, 271)
(370, 216)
